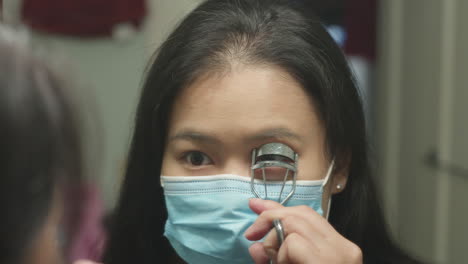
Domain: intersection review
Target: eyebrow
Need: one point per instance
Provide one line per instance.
(192, 135)
(266, 134)
(275, 133)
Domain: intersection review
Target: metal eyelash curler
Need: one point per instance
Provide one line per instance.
(274, 156)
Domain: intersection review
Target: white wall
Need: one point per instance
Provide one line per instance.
(422, 105)
(109, 73)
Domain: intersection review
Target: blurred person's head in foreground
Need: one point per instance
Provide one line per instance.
(39, 155)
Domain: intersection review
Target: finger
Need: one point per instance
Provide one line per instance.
(262, 225)
(295, 250)
(258, 205)
(294, 224)
(258, 254)
(271, 244)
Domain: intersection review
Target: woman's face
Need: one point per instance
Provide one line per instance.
(220, 118)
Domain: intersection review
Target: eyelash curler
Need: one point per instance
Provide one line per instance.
(274, 156)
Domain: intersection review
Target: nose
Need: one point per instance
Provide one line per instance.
(238, 167)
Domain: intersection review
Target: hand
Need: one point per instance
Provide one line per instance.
(309, 238)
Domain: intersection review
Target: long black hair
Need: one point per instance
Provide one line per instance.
(272, 32)
(39, 145)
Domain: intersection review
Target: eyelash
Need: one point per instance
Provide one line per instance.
(184, 158)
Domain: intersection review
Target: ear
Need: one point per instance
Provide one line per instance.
(340, 177)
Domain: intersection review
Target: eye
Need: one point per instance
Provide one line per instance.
(275, 158)
(197, 158)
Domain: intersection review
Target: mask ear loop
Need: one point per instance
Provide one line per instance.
(329, 172)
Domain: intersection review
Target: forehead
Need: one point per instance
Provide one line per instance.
(243, 100)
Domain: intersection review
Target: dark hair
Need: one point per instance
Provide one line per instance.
(273, 32)
(39, 145)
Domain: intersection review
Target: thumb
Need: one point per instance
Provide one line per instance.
(258, 254)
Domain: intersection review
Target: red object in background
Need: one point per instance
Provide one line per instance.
(361, 25)
(85, 18)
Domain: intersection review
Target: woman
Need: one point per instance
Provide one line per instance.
(233, 76)
(40, 159)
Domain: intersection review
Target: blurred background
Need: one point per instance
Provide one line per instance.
(410, 62)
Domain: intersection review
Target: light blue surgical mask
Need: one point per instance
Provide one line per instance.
(208, 215)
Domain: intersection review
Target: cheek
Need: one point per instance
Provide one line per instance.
(274, 174)
(165, 165)
(312, 166)
(170, 166)
(168, 169)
